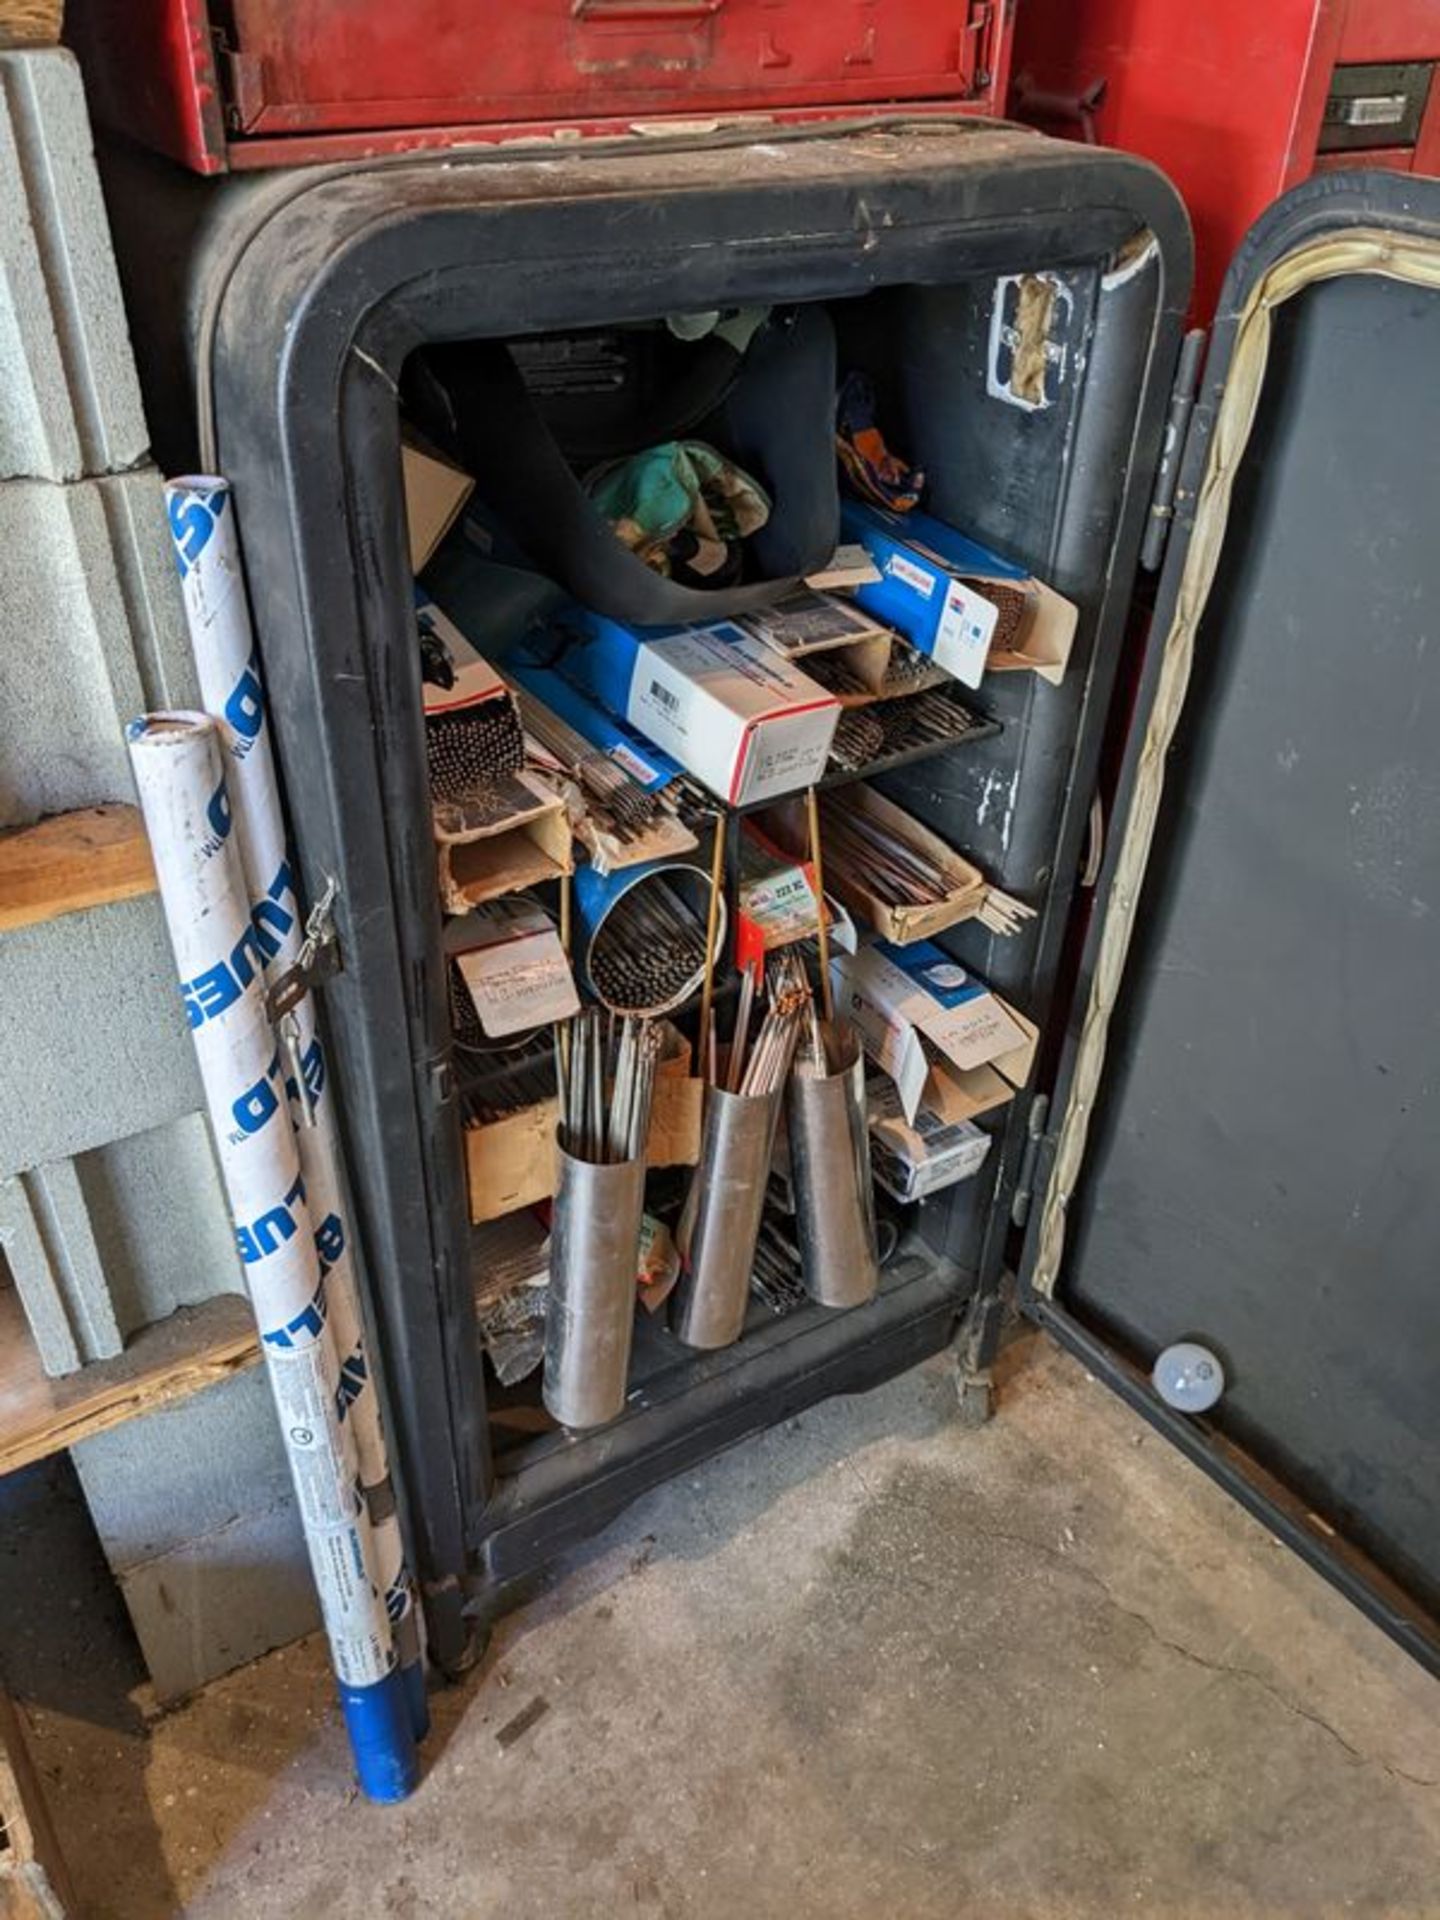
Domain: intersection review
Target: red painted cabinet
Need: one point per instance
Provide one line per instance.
(1236, 101)
(275, 82)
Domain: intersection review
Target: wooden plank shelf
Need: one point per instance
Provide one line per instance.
(72, 861)
(163, 1363)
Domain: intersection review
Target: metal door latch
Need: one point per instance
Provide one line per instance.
(317, 960)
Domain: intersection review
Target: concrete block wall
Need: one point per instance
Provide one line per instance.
(111, 1211)
(94, 634)
(69, 398)
(104, 1242)
(207, 1561)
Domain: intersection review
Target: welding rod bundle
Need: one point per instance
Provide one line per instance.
(876, 859)
(628, 809)
(642, 934)
(606, 1073)
(721, 1218)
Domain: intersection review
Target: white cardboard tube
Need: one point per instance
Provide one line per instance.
(201, 512)
(179, 771)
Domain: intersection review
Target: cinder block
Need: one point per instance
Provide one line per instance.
(92, 632)
(194, 1510)
(158, 1482)
(69, 398)
(159, 1216)
(51, 1252)
(96, 1042)
(219, 1602)
(104, 1244)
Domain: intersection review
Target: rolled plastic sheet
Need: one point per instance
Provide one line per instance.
(596, 896)
(590, 1312)
(830, 1172)
(721, 1221)
(201, 513)
(287, 1257)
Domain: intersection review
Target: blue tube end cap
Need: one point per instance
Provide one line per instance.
(379, 1722)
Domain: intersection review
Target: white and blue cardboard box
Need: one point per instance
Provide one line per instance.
(629, 749)
(945, 1038)
(747, 723)
(914, 1158)
(932, 588)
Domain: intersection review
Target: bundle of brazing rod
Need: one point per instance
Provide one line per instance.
(763, 1069)
(865, 853)
(606, 1073)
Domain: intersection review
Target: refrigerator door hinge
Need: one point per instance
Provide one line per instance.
(1034, 1135)
(1172, 451)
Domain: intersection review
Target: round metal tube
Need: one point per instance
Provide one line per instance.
(590, 1313)
(830, 1172)
(722, 1218)
(596, 897)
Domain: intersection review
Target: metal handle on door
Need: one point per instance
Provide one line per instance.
(657, 12)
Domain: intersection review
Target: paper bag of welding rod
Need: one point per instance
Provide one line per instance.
(514, 968)
(662, 838)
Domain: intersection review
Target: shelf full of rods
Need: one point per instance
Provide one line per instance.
(783, 1085)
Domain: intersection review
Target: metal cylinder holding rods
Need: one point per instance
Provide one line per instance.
(830, 1172)
(590, 1314)
(722, 1217)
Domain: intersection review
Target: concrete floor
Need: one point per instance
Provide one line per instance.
(871, 1665)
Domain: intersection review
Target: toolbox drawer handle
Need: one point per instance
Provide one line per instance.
(661, 12)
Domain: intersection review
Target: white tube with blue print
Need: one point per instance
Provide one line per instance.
(286, 1255)
(201, 511)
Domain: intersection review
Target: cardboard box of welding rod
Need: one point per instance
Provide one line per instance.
(944, 593)
(517, 832)
(913, 1159)
(965, 885)
(945, 1038)
(746, 722)
(526, 839)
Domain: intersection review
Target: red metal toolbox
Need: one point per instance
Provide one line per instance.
(257, 83)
